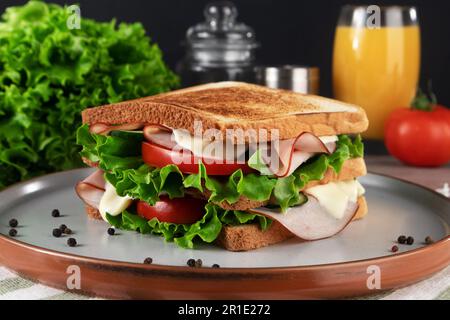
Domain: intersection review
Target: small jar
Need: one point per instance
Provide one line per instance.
(218, 49)
(302, 79)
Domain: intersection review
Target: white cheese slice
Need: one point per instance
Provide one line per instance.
(227, 151)
(352, 188)
(193, 143)
(360, 188)
(328, 139)
(334, 196)
(112, 203)
(207, 148)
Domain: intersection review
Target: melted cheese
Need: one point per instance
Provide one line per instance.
(200, 147)
(328, 139)
(207, 148)
(334, 196)
(193, 143)
(112, 203)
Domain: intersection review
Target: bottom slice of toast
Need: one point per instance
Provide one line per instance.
(250, 236)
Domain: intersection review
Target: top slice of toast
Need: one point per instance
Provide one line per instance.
(236, 105)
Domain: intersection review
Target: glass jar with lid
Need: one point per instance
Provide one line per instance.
(218, 49)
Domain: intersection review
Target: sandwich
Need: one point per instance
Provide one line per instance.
(232, 164)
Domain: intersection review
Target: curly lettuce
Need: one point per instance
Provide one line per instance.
(185, 235)
(119, 156)
(49, 73)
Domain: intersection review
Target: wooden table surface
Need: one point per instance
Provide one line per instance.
(432, 178)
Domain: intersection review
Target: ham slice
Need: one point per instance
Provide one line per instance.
(310, 221)
(211, 151)
(159, 135)
(91, 189)
(101, 128)
(282, 158)
(290, 154)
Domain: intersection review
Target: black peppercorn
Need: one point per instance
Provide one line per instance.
(410, 240)
(148, 260)
(429, 240)
(198, 263)
(62, 227)
(57, 232)
(215, 265)
(67, 231)
(394, 249)
(71, 242)
(55, 213)
(111, 231)
(13, 223)
(13, 232)
(401, 239)
(191, 263)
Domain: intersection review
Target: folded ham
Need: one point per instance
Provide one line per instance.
(91, 189)
(310, 221)
(281, 157)
(290, 154)
(101, 128)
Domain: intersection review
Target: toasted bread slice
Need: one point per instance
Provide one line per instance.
(237, 105)
(250, 236)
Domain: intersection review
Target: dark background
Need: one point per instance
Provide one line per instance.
(296, 32)
(289, 31)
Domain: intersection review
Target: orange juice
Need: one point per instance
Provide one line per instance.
(377, 69)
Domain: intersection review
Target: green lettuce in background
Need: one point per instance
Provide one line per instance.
(48, 74)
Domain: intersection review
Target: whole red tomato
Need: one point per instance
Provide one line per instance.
(419, 137)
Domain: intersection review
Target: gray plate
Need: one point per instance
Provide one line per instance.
(395, 207)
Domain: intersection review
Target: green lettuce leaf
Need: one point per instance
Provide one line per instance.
(252, 186)
(286, 192)
(50, 73)
(206, 230)
(146, 183)
(142, 182)
(131, 177)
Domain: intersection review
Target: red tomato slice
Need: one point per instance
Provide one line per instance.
(185, 210)
(158, 156)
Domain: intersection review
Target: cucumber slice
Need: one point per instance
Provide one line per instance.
(129, 135)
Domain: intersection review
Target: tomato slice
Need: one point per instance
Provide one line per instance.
(158, 156)
(185, 210)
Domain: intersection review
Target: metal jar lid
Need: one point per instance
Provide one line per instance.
(221, 40)
(301, 79)
(221, 30)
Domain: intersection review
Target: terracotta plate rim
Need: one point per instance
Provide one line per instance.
(132, 265)
(182, 269)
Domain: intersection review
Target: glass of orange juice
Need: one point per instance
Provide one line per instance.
(376, 60)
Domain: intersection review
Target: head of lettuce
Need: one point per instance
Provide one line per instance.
(50, 72)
